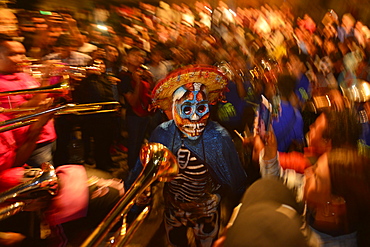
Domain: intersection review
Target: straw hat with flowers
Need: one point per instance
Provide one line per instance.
(214, 80)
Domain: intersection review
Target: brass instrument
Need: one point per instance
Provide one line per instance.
(90, 108)
(225, 68)
(13, 110)
(28, 117)
(59, 88)
(38, 70)
(230, 71)
(22, 196)
(71, 108)
(18, 125)
(76, 109)
(159, 164)
(81, 72)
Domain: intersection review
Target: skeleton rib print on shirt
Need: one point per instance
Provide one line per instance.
(193, 181)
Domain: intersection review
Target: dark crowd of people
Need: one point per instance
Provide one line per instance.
(194, 78)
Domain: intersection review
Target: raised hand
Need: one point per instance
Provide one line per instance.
(270, 145)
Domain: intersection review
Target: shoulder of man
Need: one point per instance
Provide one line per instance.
(51, 56)
(80, 54)
(217, 129)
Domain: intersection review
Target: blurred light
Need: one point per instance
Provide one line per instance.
(366, 89)
(101, 27)
(45, 12)
(328, 99)
(232, 12)
(210, 11)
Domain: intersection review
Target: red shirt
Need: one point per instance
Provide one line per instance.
(298, 161)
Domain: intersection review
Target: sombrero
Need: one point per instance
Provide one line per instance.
(210, 76)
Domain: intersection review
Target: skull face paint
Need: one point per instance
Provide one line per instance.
(190, 109)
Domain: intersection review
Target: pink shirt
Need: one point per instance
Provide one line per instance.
(21, 81)
(9, 177)
(70, 203)
(72, 199)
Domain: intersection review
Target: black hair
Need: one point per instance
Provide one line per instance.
(4, 37)
(286, 84)
(350, 179)
(63, 40)
(349, 172)
(297, 52)
(343, 127)
(120, 56)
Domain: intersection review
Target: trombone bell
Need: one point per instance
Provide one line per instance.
(15, 199)
(159, 163)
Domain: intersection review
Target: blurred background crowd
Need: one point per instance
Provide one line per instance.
(304, 60)
(324, 52)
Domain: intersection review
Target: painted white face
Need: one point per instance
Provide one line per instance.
(190, 109)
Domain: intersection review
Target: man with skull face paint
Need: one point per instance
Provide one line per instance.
(191, 110)
(209, 166)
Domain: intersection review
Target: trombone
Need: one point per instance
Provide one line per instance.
(62, 87)
(58, 88)
(159, 163)
(76, 109)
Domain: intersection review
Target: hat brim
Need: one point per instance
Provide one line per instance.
(210, 76)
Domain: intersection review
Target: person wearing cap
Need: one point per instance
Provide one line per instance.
(334, 215)
(209, 166)
(268, 215)
(332, 190)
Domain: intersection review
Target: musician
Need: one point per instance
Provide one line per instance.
(136, 84)
(14, 153)
(12, 158)
(12, 54)
(82, 200)
(210, 170)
